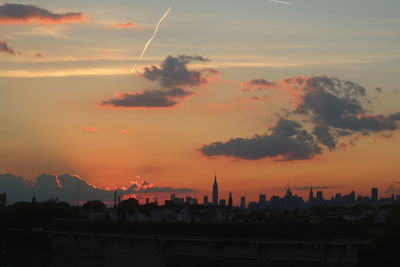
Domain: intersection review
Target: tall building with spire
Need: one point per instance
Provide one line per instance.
(230, 200)
(311, 195)
(215, 192)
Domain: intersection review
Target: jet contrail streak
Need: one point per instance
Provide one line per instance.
(281, 2)
(153, 36)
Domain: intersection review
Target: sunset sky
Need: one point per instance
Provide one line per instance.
(263, 93)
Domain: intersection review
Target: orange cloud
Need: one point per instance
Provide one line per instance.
(128, 131)
(91, 129)
(30, 14)
(127, 25)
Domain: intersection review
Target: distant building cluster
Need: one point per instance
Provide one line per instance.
(289, 201)
(289, 207)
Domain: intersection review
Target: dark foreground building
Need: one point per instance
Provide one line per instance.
(83, 243)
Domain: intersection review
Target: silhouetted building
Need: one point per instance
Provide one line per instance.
(147, 201)
(222, 202)
(374, 194)
(320, 196)
(115, 198)
(252, 205)
(311, 195)
(230, 200)
(215, 191)
(262, 201)
(205, 200)
(338, 197)
(353, 196)
(189, 201)
(3, 200)
(155, 202)
(289, 194)
(176, 200)
(242, 202)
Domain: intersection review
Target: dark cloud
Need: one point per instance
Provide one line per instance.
(343, 133)
(307, 188)
(330, 98)
(17, 188)
(174, 72)
(212, 71)
(325, 136)
(18, 13)
(367, 123)
(287, 140)
(65, 187)
(148, 99)
(395, 117)
(339, 104)
(257, 84)
(4, 48)
(331, 107)
(286, 128)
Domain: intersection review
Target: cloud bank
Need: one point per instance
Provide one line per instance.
(326, 110)
(287, 139)
(65, 187)
(18, 13)
(148, 99)
(173, 76)
(173, 72)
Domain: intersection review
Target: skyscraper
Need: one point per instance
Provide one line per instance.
(320, 196)
(311, 195)
(215, 192)
(205, 200)
(242, 202)
(289, 194)
(262, 198)
(262, 201)
(230, 200)
(374, 194)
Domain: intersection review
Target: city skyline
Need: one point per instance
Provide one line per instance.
(261, 91)
(69, 188)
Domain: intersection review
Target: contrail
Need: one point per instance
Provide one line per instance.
(281, 2)
(153, 36)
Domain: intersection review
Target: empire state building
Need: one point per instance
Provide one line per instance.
(215, 192)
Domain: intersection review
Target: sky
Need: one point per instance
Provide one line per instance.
(262, 93)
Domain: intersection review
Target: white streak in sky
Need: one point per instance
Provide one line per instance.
(153, 36)
(281, 2)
